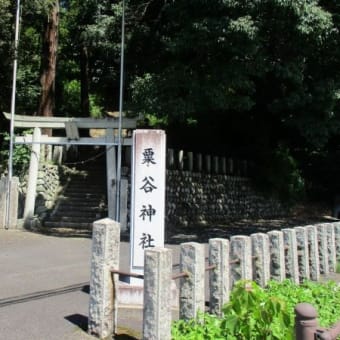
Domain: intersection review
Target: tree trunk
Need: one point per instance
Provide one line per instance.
(48, 63)
(84, 82)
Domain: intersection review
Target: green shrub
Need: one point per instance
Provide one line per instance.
(278, 174)
(325, 297)
(20, 158)
(262, 313)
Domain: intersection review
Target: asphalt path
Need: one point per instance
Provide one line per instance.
(44, 288)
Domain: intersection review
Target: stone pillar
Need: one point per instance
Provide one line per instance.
(215, 165)
(223, 165)
(111, 175)
(123, 204)
(219, 277)
(240, 259)
(331, 247)
(192, 294)
(277, 255)
(102, 320)
(32, 176)
(314, 267)
(180, 160)
(337, 239)
(291, 258)
(57, 155)
(261, 259)
(199, 162)
(157, 294)
(190, 161)
(208, 164)
(171, 159)
(303, 253)
(230, 166)
(49, 153)
(323, 249)
(9, 193)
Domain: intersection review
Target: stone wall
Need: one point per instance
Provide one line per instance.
(48, 188)
(191, 197)
(194, 198)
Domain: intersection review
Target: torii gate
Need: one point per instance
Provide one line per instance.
(71, 125)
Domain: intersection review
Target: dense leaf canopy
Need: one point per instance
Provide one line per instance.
(245, 78)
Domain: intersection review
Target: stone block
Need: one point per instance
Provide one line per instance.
(219, 278)
(192, 292)
(277, 255)
(261, 258)
(104, 285)
(157, 294)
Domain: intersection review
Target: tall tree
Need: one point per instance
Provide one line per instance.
(49, 61)
(6, 52)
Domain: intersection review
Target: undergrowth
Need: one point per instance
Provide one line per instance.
(255, 313)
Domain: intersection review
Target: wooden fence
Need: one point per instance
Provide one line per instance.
(295, 253)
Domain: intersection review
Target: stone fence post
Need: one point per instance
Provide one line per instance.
(190, 156)
(216, 165)
(261, 259)
(191, 292)
(103, 285)
(337, 239)
(9, 194)
(219, 278)
(199, 162)
(323, 248)
(277, 255)
(180, 160)
(314, 268)
(157, 294)
(303, 253)
(207, 159)
(171, 159)
(223, 165)
(291, 256)
(240, 259)
(331, 248)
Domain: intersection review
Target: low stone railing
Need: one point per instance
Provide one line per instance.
(295, 253)
(307, 326)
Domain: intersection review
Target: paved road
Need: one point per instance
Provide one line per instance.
(44, 287)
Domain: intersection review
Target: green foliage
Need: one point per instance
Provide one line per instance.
(71, 95)
(279, 175)
(21, 155)
(205, 327)
(96, 110)
(263, 313)
(325, 297)
(252, 314)
(248, 74)
(6, 50)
